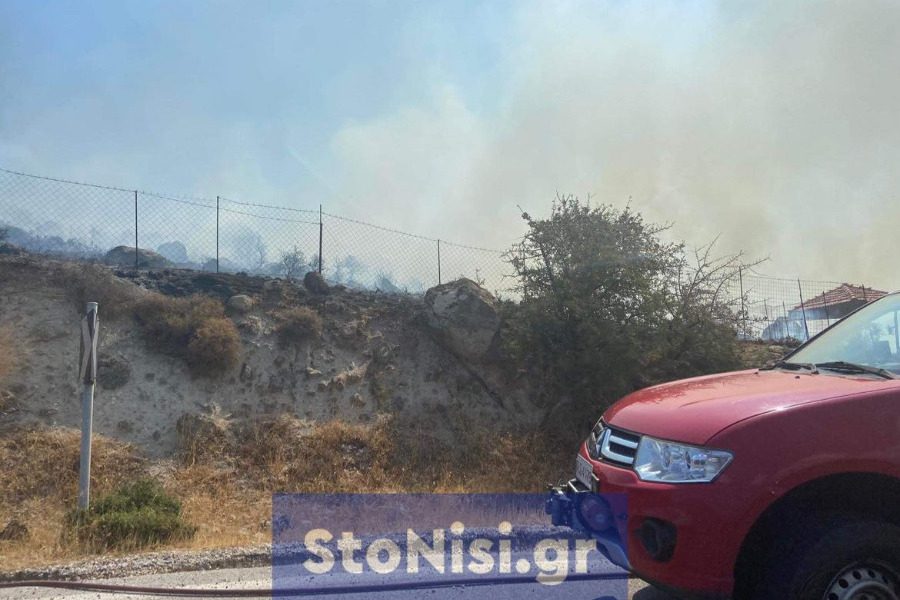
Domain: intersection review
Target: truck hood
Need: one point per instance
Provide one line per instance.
(694, 410)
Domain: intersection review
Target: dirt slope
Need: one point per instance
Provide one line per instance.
(375, 355)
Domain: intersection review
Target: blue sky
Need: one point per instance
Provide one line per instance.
(756, 122)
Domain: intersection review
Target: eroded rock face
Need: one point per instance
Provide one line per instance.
(147, 259)
(464, 316)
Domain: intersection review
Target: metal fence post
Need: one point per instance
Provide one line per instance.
(136, 253)
(803, 309)
(786, 325)
(743, 308)
(439, 261)
(217, 234)
(88, 376)
(320, 239)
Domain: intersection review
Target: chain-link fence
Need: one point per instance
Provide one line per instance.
(78, 220)
(778, 309)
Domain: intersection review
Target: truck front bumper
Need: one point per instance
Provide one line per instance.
(564, 505)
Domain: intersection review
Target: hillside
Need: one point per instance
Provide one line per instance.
(376, 354)
(225, 388)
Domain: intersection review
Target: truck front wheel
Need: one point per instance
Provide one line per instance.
(839, 558)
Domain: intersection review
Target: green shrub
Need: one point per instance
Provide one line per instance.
(607, 306)
(194, 328)
(298, 325)
(136, 515)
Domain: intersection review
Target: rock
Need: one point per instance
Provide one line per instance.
(351, 376)
(113, 372)
(174, 251)
(147, 259)
(315, 283)
(240, 303)
(224, 266)
(464, 317)
(123, 256)
(14, 530)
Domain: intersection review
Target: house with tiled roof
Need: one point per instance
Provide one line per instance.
(838, 302)
(818, 312)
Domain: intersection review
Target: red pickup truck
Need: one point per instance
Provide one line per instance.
(777, 483)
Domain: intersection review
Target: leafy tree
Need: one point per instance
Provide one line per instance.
(608, 306)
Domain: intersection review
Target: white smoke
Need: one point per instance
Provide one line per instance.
(773, 124)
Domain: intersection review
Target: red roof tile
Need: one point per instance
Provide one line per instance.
(842, 294)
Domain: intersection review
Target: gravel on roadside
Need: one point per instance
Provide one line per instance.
(148, 563)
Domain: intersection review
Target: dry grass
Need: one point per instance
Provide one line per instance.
(298, 325)
(87, 282)
(227, 493)
(40, 484)
(757, 354)
(194, 328)
(8, 352)
(214, 348)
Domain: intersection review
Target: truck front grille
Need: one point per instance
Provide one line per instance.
(613, 445)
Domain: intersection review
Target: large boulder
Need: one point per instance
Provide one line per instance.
(240, 303)
(147, 259)
(315, 283)
(464, 316)
(174, 251)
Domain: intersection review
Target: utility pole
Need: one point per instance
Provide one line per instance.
(88, 376)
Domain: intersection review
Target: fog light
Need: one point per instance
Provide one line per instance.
(658, 539)
(594, 513)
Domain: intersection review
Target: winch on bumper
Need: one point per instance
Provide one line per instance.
(574, 505)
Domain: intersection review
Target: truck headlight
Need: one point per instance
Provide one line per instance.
(670, 462)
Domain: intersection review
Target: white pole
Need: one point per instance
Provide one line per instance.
(89, 333)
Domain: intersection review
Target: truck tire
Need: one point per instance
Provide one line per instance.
(839, 558)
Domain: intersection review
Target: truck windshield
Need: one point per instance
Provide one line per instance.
(870, 337)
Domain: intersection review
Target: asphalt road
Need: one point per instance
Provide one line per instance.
(261, 577)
